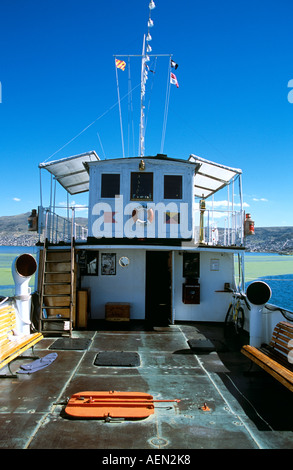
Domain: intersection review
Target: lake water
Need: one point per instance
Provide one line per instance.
(276, 270)
(7, 256)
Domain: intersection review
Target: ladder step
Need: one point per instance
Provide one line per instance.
(55, 306)
(61, 283)
(58, 260)
(54, 319)
(56, 332)
(57, 272)
(66, 275)
(56, 295)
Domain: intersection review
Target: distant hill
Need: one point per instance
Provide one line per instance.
(14, 231)
(271, 239)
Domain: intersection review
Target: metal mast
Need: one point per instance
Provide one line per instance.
(143, 79)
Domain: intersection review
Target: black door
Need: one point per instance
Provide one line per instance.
(158, 287)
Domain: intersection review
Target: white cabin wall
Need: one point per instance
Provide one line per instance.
(159, 168)
(128, 285)
(213, 305)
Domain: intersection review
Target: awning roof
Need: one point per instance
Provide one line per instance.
(210, 177)
(70, 172)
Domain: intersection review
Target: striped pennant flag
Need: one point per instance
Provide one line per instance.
(120, 64)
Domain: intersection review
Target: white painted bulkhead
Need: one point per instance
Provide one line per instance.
(122, 206)
(216, 269)
(129, 285)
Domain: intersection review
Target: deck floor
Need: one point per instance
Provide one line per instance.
(247, 410)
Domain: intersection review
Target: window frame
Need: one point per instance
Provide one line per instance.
(152, 186)
(110, 174)
(181, 188)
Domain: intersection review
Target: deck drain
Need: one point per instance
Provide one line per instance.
(159, 442)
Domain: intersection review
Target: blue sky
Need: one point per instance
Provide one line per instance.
(235, 60)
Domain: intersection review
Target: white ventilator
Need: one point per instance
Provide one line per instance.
(258, 294)
(23, 268)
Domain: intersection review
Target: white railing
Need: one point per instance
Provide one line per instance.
(56, 228)
(219, 227)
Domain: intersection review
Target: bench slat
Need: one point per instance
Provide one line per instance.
(10, 348)
(21, 350)
(13, 345)
(273, 358)
(279, 372)
(273, 354)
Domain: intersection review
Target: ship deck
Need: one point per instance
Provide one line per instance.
(244, 409)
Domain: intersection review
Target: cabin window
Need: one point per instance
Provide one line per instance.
(110, 185)
(172, 187)
(141, 186)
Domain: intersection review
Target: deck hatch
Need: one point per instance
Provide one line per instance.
(117, 359)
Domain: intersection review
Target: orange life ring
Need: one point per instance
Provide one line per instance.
(150, 215)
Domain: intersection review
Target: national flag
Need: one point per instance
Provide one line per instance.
(120, 64)
(174, 80)
(173, 64)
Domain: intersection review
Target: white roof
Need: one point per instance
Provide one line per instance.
(70, 172)
(210, 177)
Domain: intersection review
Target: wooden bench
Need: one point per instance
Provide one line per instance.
(274, 357)
(12, 346)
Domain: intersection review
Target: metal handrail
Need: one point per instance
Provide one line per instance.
(60, 229)
(231, 233)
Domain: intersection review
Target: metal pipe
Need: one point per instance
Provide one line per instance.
(23, 268)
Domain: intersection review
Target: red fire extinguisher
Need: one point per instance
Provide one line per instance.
(248, 225)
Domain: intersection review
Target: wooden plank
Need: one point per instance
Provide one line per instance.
(11, 348)
(14, 345)
(274, 360)
(273, 373)
(281, 373)
(21, 350)
(282, 334)
(7, 323)
(277, 356)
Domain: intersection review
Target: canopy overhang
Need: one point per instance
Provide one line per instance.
(71, 172)
(211, 177)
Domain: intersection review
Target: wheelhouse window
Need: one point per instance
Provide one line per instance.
(110, 185)
(173, 187)
(141, 186)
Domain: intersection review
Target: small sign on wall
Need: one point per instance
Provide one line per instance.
(214, 264)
